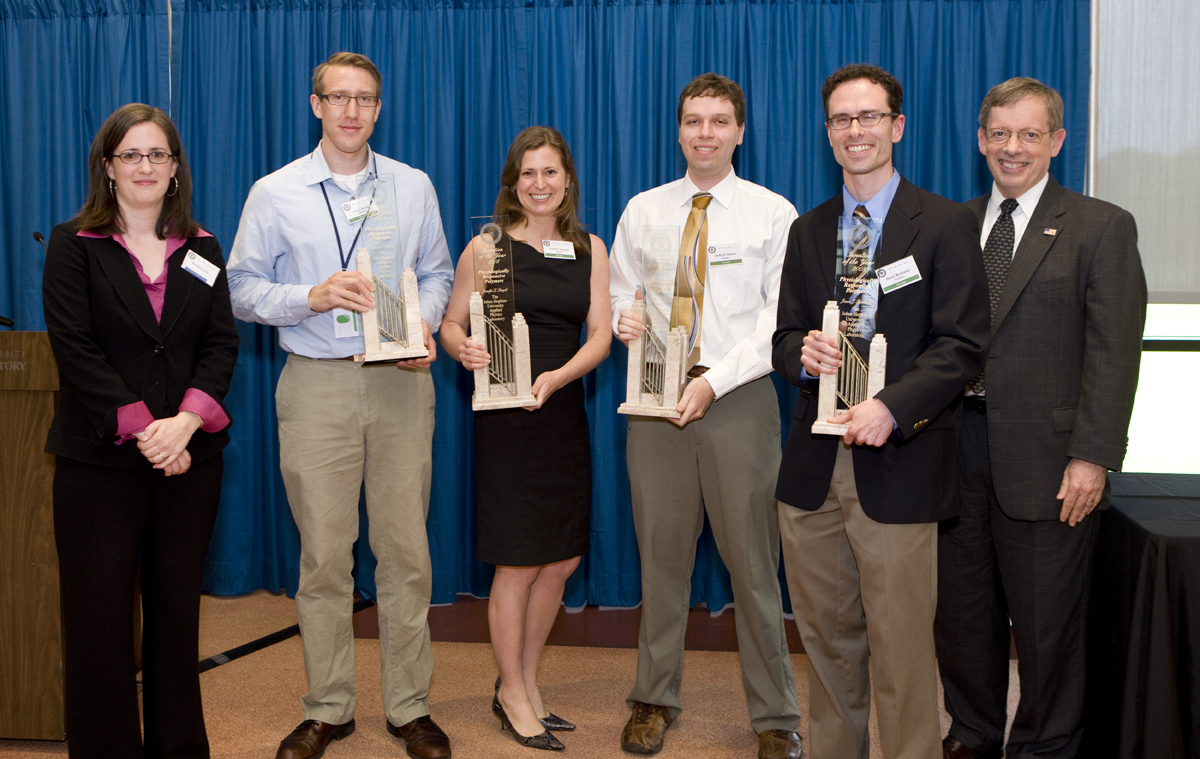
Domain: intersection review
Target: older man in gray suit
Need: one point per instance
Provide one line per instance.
(1039, 431)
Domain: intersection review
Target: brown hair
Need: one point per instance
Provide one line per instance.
(712, 85)
(1017, 89)
(354, 60)
(100, 212)
(509, 205)
(873, 74)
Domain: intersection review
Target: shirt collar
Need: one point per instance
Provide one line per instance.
(319, 171)
(877, 207)
(723, 192)
(1027, 202)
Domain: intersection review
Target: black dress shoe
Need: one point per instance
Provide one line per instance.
(310, 738)
(544, 740)
(554, 722)
(953, 748)
(423, 739)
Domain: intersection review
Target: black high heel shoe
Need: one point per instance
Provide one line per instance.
(543, 740)
(554, 722)
(551, 722)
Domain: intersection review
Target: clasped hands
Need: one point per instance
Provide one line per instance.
(870, 422)
(164, 442)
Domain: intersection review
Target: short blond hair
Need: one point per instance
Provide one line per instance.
(354, 60)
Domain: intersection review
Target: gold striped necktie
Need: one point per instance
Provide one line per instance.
(687, 307)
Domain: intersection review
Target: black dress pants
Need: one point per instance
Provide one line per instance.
(991, 569)
(108, 523)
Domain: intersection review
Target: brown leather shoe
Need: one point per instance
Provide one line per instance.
(643, 733)
(309, 739)
(423, 739)
(953, 748)
(779, 744)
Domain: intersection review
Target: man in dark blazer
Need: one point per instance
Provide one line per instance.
(858, 515)
(1039, 431)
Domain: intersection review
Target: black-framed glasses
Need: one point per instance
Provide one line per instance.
(133, 157)
(341, 100)
(1028, 136)
(865, 120)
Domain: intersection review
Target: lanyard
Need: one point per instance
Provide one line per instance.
(345, 256)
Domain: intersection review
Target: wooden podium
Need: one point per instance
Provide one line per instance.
(31, 666)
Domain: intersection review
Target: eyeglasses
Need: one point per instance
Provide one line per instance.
(1027, 136)
(341, 101)
(132, 157)
(865, 120)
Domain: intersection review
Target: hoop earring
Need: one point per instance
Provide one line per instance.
(176, 188)
(112, 188)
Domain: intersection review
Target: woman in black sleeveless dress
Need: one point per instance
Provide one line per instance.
(533, 465)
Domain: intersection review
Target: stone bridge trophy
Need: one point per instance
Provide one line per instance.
(852, 319)
(505, 381)
(392, 330)
(656, 370)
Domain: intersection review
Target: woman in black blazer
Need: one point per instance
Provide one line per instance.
(137, 308)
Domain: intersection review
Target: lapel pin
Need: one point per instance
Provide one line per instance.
(1049, 231)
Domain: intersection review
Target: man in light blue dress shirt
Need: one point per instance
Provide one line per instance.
(342, 423)
(858, 514)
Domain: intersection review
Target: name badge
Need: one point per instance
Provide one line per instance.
(725, 254)
(900, 274)
(558, 249)
(346, 323)
(358, 209)
(201, 268)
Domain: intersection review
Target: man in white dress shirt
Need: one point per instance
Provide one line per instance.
(722, 455)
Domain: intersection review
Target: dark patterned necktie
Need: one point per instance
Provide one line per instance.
(858, 263)
(997, 260)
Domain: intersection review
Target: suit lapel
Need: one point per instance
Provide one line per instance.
(179, 287)
(118, 267)
(979, 206)
(826, 242)
(1033, 248)
(899, 228)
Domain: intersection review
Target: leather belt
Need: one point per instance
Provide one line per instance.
(696, 371)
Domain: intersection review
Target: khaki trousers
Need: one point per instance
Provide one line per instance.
(862, 589)
(724, 464)
(342, 425)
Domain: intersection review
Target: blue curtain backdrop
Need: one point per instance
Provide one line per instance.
(460, 80)
(64, 66)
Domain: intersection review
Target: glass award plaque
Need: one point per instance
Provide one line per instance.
(852, 319)
(391, 331)
(655, 373)
(495, 322)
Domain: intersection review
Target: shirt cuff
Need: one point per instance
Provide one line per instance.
(132, 418)
(721, 380)
(297, 302)
(202, 405)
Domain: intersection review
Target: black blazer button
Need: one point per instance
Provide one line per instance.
(158, 349)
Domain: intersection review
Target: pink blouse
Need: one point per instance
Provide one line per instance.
(133, 418)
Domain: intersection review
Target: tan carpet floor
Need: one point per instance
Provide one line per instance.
(251, 703)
